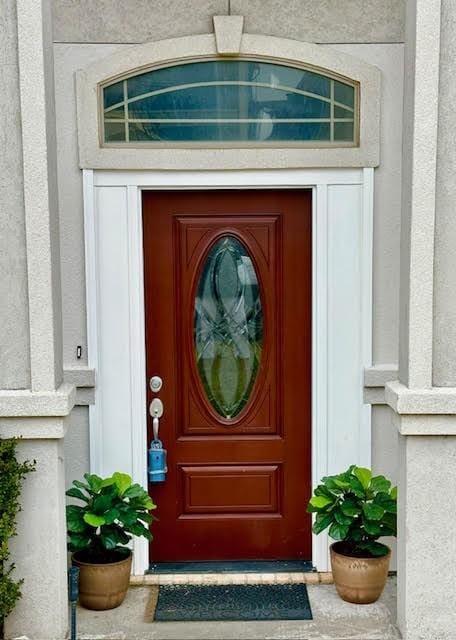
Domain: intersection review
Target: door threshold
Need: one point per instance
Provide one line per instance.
(249, 572)
(305, 577)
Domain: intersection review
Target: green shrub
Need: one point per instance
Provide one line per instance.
(12, 473)
(114, 511)
(358, 508)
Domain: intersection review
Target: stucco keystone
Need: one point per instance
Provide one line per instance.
(228, 34)
(433, 401)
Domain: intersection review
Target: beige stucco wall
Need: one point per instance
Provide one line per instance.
(76, 445)
(387, 198)
(14, 328)
(385, 454)
(332, 21)
(115, 21)
(67, 59)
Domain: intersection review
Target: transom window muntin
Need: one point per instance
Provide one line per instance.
(217, 101)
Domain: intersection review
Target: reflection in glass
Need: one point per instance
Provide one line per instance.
(228, 326)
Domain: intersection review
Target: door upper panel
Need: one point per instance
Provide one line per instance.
(229, 293)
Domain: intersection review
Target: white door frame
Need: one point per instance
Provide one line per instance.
(341, 313)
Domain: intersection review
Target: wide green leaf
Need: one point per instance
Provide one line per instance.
(93, 481)
(122, 481)
(321, 490)
(372, 528)
(364, 476)
(330, 483)
(138, 529)
(388, 531)
(111, 516)
(76, 493)
(128, 516)
(356, 487)
(81, 485)
(386, 502)
(393, 493)
(379, 483)
(94, 520)
(107, 482)
(149, 504)
(316, 503)
(322, 522)
(390, 520)
(75, 519)
(342, 484)
(101, 503)
(390, 507)
(109, 541)
(146, 517)
(135, 491)
(338, 531)
(113, 534)
(349, 507)
(373, 511)
(75, 509)
(341, 518)
(78, 541)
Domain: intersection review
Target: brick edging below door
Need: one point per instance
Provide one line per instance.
(309, 577)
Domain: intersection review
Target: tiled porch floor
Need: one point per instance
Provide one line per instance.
(333, 620)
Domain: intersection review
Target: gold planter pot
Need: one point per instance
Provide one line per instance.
(359, 580)
(103, 586)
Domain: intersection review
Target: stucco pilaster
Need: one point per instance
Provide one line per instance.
(421, 84)
(36, 88)
(14, 326)
(444, 359)
(38, 414)
(39, 549)
(424, 413)
(426, 591)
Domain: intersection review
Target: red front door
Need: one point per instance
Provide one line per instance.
(228, 329)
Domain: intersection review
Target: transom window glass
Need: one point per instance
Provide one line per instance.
(231, 101)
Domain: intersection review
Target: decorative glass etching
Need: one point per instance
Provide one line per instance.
(228, 326)
(231, 101)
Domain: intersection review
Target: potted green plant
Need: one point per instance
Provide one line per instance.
(113, 511)
(358, 509)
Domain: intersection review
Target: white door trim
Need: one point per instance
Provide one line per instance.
(341, 335)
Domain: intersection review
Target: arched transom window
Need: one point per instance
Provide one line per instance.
(231, 101)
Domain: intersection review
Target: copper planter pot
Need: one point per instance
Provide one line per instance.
(359, 580)
(103, 586)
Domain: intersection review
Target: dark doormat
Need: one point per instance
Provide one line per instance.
(233, 602)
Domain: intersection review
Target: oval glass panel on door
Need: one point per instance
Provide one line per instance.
(228, 326)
